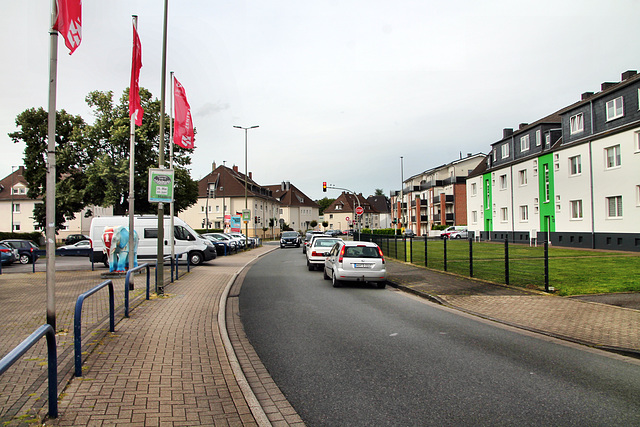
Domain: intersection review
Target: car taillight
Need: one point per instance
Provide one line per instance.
(381, 254)
(5, 250)
(341, 254)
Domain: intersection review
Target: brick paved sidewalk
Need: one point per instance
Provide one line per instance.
(598, 325)
(167, 365)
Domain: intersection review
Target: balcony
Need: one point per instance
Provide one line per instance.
(448, 218)
(455, 180)
(448, 198)
(431, 184)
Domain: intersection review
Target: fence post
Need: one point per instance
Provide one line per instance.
(506, 261)
(395, 242)
(404, 247)
(445, 254)
(425, 252)
(471, 257)
(546, 266)
(411, 250)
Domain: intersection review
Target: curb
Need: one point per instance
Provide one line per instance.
(436, 299)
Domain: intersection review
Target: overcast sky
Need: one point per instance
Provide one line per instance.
(340, 88)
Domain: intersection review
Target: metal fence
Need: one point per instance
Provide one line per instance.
(499, 262)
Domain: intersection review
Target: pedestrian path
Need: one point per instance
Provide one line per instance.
(595, 324)
(168, 365)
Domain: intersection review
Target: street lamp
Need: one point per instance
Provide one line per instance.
(246, 172)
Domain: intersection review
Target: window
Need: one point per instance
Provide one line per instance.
(615, 109)
(488, 192)
(575, 165)
(547, 184)
(637, 141)
(338, 207)
(474, 217)
(16, 207)
(505, 150)
(522, 177)
(495, 154)
(503, 182)
(576, 209)
(547, 139)
(613, 156)
(576, 123)
(16, 226)
(614, 207)
(638, 195)
(538, 138)
(504, 214)
(474, 189)
(524, 213)
(524, 143)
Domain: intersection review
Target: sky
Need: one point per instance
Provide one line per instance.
(340, 89)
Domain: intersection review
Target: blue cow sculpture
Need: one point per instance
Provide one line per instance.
(119, 251)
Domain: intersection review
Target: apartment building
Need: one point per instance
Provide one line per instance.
(341, 214)
(296, 208)
(571, 178)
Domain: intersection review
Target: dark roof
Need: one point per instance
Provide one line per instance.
(16, 177)
(289, 195)
(380, 203)
(230, 183)
(349, 203)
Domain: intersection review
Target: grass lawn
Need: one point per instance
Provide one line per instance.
(571, 271)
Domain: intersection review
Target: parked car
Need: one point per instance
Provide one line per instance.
(222, 247)
(333, 233)
(409, 233)
(290, 238)
(454, 228)
(232, 244)
(27, 250)
(8, 254)
(319, 250)
(307, 237)
(355, 262)
(459, 234)
(75, 238)
(81, 248)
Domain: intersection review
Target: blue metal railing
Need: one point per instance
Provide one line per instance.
(129, 286)
(25, 345)
(77, 321)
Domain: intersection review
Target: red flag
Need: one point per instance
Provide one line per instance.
(183, 133)
(69, 23)
(134, 87)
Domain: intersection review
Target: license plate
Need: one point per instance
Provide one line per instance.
(361, 265)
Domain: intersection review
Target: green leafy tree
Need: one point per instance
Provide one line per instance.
(92, 161)
(313, 223)
(324, 204)
(379, 192)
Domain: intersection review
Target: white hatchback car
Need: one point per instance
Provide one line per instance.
(355, 262)
(318, 251)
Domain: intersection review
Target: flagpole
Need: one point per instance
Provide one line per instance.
(172, 204)
(132, 155)
(163, 83)
(50, 197)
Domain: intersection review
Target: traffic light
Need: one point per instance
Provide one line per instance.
(324, 187)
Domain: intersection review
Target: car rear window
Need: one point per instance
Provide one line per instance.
(325, 243)
(361, 252)
(289, 234)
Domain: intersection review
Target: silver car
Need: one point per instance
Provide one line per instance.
(355, 262)
(318, 251)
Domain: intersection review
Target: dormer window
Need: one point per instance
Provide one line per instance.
(505, 150)
(576, 123)
(524, 143)
(615, 108)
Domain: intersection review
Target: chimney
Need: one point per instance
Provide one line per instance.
(522, 125)
(469, 154)
(235, 168)
(506, 132)
(607, 85)
(213, 166)
(250, 175)
(288, 185)
(586, 95)
(628, 74)
(282, 186)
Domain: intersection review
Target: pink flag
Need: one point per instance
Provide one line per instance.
(69, 23)
(134, 87)
(183, 133)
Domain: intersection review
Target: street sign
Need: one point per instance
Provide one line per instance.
(161, 185)
(246, 215)
(347, 218)
(359, 210)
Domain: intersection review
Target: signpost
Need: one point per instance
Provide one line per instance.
(161, 185)
(359, 210)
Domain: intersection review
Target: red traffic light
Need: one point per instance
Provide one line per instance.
(324, 187)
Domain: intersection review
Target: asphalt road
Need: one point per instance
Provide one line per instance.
(357, 355)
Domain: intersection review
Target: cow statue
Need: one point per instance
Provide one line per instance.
(116, 246)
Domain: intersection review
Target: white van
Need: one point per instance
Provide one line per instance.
(185, 238)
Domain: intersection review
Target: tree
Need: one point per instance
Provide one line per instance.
(92, 161)
(313, 223)
(324, 204)
(379, 192)
(325, 224)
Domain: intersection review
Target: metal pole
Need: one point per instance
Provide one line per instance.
(12, 184)
(132, 155)
(163, 83)
(506, 261)
(172, 204)
(246, 172)
(51, 174)
(546, 266)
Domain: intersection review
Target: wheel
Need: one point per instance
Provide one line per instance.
(195, 258)
(335, 282)
(458, 237)
(25, 259)
(324, 274)
(281, 246)
(298, 245)
(310, 266)
(382, 285)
